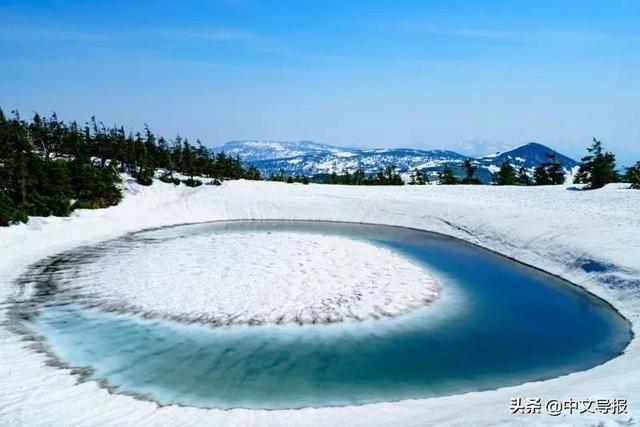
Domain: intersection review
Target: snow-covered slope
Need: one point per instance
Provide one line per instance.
(259, 150)
(591, 238)
(480, 147)
(529, 155)
(308, 158)
(368, 160)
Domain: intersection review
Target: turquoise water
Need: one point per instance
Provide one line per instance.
(498, 323)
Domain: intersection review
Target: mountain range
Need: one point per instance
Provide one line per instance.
(312, 159)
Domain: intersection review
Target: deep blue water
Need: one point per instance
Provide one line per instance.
(498, 323)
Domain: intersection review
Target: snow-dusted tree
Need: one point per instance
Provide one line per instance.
(554, 169)
(633, 176)
(540, 176)
(412, 177)
(598, 168)
(359, 177)
(446, 176)
(252, 173)
(506, 175)
(417, 177)
(421, 177)
(549, 172)
(470, 173)
(523, 176)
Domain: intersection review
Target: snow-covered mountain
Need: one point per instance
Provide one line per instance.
(250, 151)
(310, 158)
(529, 155)
(480, 147)
(368, 160)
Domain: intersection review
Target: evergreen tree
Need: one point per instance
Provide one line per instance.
(598, 168)
(417, 177)
(359, 177)
(541, 175)
(45, 164)
(470, 174)
(554, 169)
(279, 176)
(252, 173)
(165, 158)
(633, 176)
(446, 176)
(346, 177)
(144, 175)
(423, 178)
(506, 175)
(384, 176)
(390, 177)
(549, 172)
(556, 173)
(412, 177)
(523, 176)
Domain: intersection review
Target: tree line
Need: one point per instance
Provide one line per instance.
(384, 176)
(550, 172)
(597, 169)
(51, 167)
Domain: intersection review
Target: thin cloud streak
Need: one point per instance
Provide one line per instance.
(27, 34)
(18, 28)
(520, 35)
(206, 34)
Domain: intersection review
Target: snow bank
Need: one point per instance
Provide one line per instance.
(591, 238)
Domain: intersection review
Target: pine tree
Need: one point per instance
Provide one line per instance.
(633, 176)
(541, 176)
(506, 175)
(359, 177)
(423, 178)
(413, 176)
(470, 174)
(417, 177)
(549, 172)
(523, 176)
(598, 168)
(46, 163)
(554, 169)
(556, 173)
(252, 173)
(390, 177)
(446, 176)
(9, 213)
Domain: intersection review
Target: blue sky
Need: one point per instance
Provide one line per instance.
(355, 73)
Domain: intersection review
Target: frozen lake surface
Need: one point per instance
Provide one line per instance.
(494, 323)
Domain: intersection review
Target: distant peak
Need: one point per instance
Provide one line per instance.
(530, 146)
(531, 154)
(480, 147)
